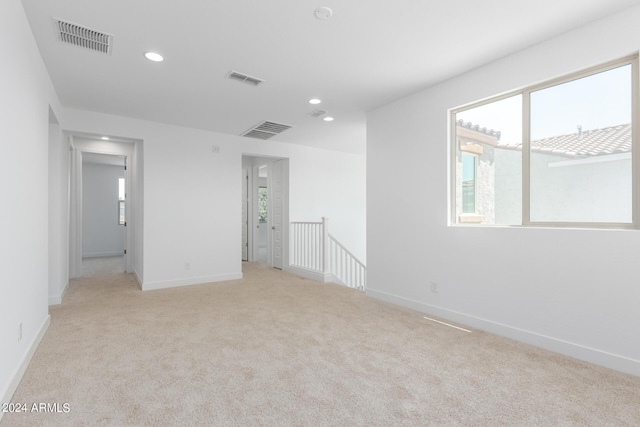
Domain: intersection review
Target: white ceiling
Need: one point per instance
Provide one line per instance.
(369, 53)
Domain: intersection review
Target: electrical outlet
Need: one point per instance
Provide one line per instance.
(215, 149)
(434, 287)
(20, 332)
(187, 265)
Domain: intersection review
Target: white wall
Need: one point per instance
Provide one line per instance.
(58, 212)
(570, 290)
(193, 195)
(27, 93)
(333, 185)
(101, 233)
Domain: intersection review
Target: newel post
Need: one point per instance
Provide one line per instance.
(325, 245)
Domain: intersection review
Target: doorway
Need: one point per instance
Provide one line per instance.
(102, 201)
(267, 208)
(103, 214)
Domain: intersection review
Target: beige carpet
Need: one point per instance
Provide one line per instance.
(102, 265)
(274, 349)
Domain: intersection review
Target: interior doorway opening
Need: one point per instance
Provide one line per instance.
(102, 206)
(103, 214)
(267, 207)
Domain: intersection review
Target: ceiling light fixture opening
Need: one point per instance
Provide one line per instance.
(153, 56)
(315, 101)
(105, 138)
(328, 119)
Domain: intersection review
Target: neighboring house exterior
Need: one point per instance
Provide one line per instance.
(573, 176)
(475, 173)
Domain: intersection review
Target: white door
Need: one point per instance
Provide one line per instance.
(276, 212)
(245, 214)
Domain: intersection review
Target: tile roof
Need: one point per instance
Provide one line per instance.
(477, 128)
(589, 143)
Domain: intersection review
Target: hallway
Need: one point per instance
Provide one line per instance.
(98, 266)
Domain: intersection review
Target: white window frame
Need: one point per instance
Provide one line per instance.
(475, 182)
(526, 153)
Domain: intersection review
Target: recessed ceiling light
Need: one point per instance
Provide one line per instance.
(155, 57)
(328, 119)
(105, 138)
(315, 101)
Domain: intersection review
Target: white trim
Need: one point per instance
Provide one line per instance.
(128, 150)
(149, 286)
(138, 278)
(635, 144)
(587, 354)
(19, 373)
(57, 299)
(310, 274)
(526, 159)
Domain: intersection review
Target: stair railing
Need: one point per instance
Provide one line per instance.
(314, 250)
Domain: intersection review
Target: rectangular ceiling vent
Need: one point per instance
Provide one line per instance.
(87, 38)
(266, 130)
(244, 78)
(317, 113)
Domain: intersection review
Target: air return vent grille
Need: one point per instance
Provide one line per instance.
(87, 38)
(244, 78)
(266, 130)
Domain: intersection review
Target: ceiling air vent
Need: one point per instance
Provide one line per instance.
(87, 38)
(266, 130)
(317, 113)
(243, 78)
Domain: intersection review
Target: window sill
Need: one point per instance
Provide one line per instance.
(470, 219)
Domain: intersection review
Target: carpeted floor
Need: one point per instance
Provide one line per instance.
(102, 265)
(274, 349)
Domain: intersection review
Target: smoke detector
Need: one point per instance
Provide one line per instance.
(323, 13)
(317, 113)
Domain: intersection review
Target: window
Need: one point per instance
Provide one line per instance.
(558, 153)
(488, 163)
(121, 196)
(262, 204)
(468, 183)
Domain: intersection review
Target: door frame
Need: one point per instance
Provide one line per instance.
(246, 256)
(256, 161)
(80, 144)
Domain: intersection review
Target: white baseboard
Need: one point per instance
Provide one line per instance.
(587, 354)
(57, 299)
(189, 281)
(138, 278)
(308, 274)
(19, 373)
